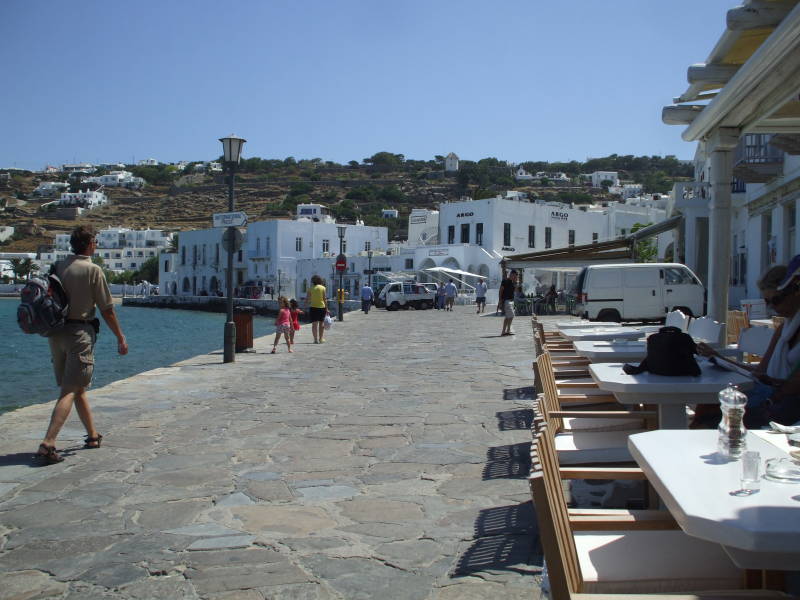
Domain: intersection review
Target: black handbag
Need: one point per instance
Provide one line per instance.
(670, 351)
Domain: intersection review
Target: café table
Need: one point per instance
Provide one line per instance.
(670, 394)
(612, 351)
(761, 323)
(602, 333)
(694, 482)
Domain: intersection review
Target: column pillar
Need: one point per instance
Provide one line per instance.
(721, 143)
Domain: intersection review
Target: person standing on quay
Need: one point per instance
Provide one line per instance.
(440, 294)
(294, 309)
(283, 325)
(480, 296)
(317, 308)
(366, 297)
(450, 292)
(507, 289)
(72, 347)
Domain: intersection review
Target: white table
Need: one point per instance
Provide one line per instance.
(760, 531)
(612, 351)
(761, 323)
(670, 393)
(602, 333)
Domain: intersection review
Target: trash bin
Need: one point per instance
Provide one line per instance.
(243, 319)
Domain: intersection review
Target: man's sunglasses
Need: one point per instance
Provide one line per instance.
(778, 298)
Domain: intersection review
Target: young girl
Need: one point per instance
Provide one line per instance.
(283, 324)
(294, 310)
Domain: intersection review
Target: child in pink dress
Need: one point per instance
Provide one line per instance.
(283, 324)
(294, 310)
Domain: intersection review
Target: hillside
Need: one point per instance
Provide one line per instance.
(272, 189)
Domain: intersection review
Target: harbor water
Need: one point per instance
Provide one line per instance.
(156, 338)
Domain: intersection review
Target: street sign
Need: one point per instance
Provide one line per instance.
(230, 219)
(369, 271)
(232, 243)
(341, 263)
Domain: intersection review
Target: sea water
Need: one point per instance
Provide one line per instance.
(156, 338)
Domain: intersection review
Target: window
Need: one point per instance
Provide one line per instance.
(239, 257)
(133, 265)
(594, 238)
(258, 246)
(531, 236)
(479, 234)
(326, 245)
(166, 265)
(548, 237)
(409, 263)
(204, 254)
(216, 254)
(677, 276)
(183, 256)
(465, 233)
(506, 234)
(298, 244)
(367, 246)
(624, 231)
(451, 234)
(571, 234)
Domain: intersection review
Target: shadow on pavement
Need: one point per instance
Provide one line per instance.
(506, 540)
(514, 420)
(508, 462)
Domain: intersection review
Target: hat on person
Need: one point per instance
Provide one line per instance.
(792, 272)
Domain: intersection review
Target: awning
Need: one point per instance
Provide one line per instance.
(612, 251)
(454, 272)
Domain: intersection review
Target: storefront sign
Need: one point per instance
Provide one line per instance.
(439, 252)
(465, 214)
(559, 216)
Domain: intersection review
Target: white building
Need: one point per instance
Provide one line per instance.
(6, 231)
(554, 176)
(389, 213)
(148, 162)
(598, 177)
(121, 249)
(522, 175)
(87, 167)
(451, 163)
(117, 179)
(626, 190)
(50, 188)
(87, 200)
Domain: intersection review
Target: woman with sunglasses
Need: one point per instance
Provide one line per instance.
(776, 394)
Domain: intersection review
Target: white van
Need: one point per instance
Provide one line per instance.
(637, 292)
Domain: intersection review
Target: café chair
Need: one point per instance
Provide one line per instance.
(737, 322)
(676, 318)
(706, 329)
(560, 358)
(608, 555)
(754, 342)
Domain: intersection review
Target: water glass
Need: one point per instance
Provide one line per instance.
(751, 471)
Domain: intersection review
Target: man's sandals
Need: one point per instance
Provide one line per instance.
(48, 455)
(93, 442)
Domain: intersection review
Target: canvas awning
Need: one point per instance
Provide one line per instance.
(454, 272)
(612, 251)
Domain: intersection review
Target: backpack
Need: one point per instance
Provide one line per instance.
(670, 351)
(43, 306)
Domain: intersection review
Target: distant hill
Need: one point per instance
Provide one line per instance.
(272, 188)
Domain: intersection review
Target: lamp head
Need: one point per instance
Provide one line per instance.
(232, 148)
(341, 229)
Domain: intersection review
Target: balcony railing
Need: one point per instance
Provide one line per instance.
(756, 160)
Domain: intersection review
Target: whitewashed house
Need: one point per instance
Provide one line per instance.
(47, 189)
(389, 213)
(522, 175)
(117, 179)
(87, 200)
(598, 177)
(451, 163)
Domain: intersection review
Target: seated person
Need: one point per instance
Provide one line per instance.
(776, 395)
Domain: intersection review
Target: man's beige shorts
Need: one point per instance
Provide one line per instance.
(508, 309)
(72, 350)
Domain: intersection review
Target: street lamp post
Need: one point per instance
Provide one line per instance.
(232, 152)
(369, 268)
(341, 229)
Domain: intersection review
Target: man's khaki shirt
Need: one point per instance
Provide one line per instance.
(85, 285)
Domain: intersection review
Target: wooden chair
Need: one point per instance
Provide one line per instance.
(677, 319)
(625, 554)
(737, 322)
(551, 339)
(777, 321)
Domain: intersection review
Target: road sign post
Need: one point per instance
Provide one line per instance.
(230, 219)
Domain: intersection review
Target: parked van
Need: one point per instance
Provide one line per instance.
(405, 294)
(637, 292)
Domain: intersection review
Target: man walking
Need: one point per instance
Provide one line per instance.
(450, 292)
(480, 296)
(440, 295)
(507, 289)
(366, 297)
(72, 347)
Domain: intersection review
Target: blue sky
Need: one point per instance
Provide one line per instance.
(103, 80)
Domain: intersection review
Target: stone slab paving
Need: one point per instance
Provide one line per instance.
(389, 462)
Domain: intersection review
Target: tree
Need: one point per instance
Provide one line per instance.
(385, 161)
(23, 268)
(606, 183)
(646, 249)
(174, 244)
(148, 271)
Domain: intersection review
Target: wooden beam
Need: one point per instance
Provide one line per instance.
(682, 114)
(718, 74)
(756, 15)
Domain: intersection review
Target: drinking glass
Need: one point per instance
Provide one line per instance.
(751, 471)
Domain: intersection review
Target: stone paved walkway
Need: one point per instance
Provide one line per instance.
(389, 462)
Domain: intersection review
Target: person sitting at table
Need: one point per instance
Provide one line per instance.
(776, 394)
